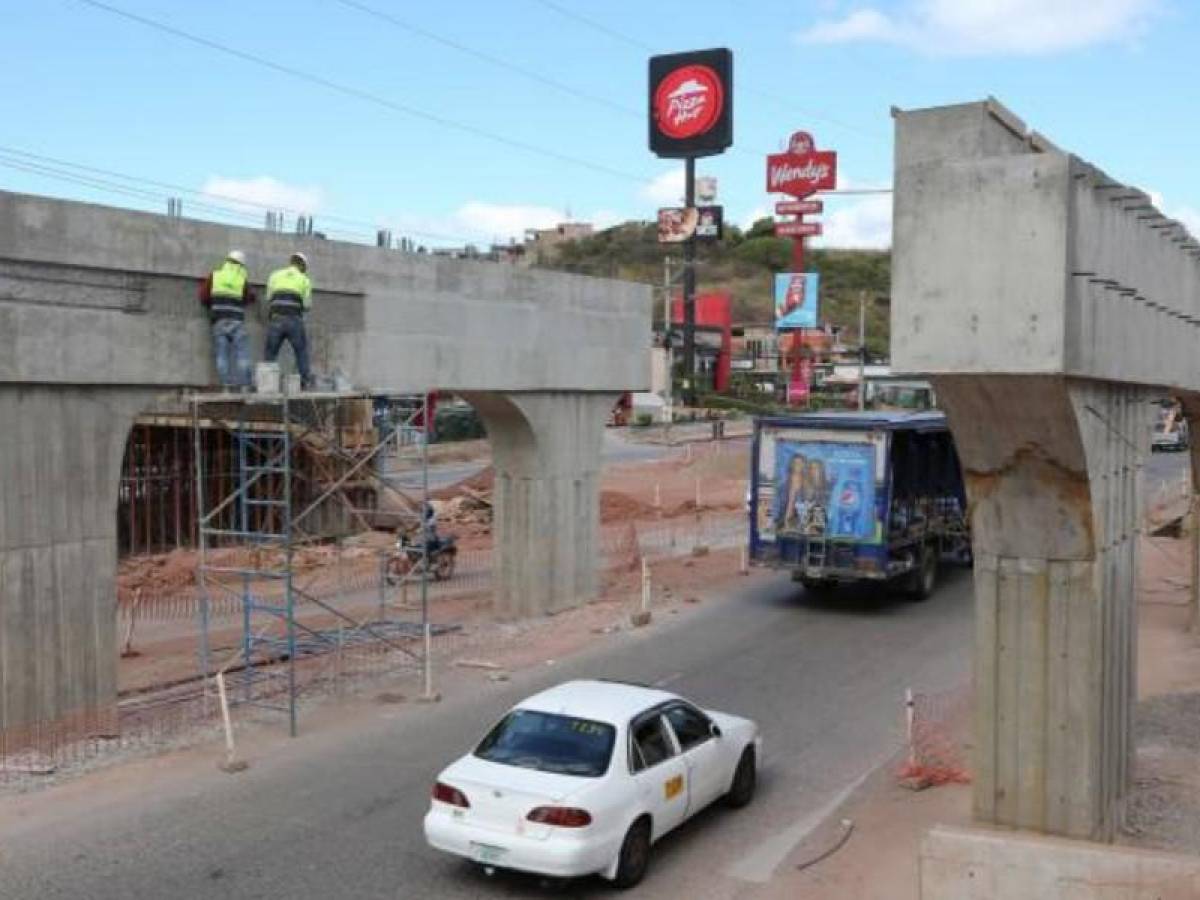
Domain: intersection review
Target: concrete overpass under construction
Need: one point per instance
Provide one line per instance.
(1051, 305)
(99, 324)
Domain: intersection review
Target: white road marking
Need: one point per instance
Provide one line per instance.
(759, 866)
(670, 679)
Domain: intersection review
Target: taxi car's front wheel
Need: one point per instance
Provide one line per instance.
(745, 779)
(634, 858)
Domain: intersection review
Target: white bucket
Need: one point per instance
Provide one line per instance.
(292, 384)
(266, 378)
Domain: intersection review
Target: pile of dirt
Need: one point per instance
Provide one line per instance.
(165, 572)
(481, 483)
(157, 573)
(618, 507)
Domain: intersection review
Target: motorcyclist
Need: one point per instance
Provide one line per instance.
(429, 530)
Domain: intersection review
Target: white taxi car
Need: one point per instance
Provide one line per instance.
(584, 777)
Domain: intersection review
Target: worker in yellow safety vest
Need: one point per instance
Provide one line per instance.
(289, 297)
(226, 293)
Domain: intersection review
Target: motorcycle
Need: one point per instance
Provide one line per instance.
(409, 558)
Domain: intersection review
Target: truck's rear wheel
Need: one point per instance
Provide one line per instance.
(923, 579)
(819, 587)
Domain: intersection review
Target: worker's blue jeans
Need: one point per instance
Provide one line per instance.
(291, 329)
(231, 352)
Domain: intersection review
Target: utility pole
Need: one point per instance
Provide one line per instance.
(862, 350)
(689, 290)
(668, 411)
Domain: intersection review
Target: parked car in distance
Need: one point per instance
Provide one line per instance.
(1170, 436)
(585, 777)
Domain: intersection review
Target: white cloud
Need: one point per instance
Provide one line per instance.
(990, 27)
(503, 220)
(1190, 218)
(860, 25)
(748, 220)
(665, 189)
(263, 191)
(1188, 215)
(857, 223)
(481, 222)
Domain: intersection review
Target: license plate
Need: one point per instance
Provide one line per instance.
(486, 853)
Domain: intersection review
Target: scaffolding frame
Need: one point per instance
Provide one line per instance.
(267, 430)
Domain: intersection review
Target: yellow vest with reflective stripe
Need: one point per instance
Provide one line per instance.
(289, 287)
(228, 281)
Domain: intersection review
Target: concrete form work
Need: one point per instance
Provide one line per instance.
(1050, 305)
(99, 323)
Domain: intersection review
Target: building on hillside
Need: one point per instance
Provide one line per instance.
(542, 243)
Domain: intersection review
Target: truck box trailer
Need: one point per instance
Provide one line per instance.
(841, 497)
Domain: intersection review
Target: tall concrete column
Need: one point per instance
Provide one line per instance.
(546, 449)
(1051, 466)
(60, 464)
(1190, 401)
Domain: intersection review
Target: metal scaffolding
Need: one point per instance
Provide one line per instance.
(249, 537)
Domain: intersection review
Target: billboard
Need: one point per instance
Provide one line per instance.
(796, 300)
(825, 489)
(677, 224)
(691, 103)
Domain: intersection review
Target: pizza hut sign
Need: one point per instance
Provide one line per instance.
(803, 170)
(688, 101)
(691, 100)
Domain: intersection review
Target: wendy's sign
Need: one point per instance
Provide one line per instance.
(803, 170)
(691, 103)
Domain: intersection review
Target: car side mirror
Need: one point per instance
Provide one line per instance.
(714, 729)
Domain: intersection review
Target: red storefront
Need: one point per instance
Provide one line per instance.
(714, 332)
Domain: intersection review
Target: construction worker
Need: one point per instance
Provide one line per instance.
(226, 293)
(289, 297)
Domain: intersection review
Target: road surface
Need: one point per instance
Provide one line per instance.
(618, 449)
(338, 813)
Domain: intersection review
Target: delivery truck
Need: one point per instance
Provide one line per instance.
(851, 497)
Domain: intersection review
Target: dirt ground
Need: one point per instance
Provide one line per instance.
(878, 861)
(165, 643)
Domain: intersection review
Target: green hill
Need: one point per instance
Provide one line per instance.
(743, 264)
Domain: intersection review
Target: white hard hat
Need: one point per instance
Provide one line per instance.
(300, 256)
(237, 256)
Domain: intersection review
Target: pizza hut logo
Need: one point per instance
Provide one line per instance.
(688, 102)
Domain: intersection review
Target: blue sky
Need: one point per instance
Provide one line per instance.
(1116, 81)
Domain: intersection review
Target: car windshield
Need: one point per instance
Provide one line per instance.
(563, 745)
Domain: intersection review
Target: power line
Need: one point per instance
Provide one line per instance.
(489, 58)
(366, 96)
(96, 177)
(598, 26)
(642, 45)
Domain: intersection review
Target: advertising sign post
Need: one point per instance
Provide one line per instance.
(690, 115)
(800, 172)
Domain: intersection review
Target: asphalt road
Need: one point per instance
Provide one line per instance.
(617, 449)
(337, 814)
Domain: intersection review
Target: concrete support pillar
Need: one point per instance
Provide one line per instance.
(1051, 466)
(60, 464)
(1190, 402)
(546, 448)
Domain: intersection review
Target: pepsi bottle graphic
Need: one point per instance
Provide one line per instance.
(849, 505)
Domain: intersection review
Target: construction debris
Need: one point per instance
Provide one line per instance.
(476, 664)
